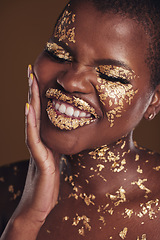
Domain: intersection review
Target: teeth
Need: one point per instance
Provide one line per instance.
(62, 108)
(82, 114)
(76, 113)
(57, 106)
(69, 110)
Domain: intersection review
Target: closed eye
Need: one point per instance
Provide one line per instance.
(113, 79)
(58, 57)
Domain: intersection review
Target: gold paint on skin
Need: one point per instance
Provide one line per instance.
(66, 218)
(144, 237)
(85, 221)
(137, 157)
(128, 213)
(116, 72)
(123, 233)
(58, 51)
(63, 30)
(139, 170)
(150, 208)
(139, 183)
(156, 168)
(119, 93)
(119, 197)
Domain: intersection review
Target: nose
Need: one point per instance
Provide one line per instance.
(77, 79)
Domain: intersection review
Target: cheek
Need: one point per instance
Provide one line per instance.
(115, 97)
(46, 72)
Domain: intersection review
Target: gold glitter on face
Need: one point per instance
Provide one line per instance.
(123, 233)
(58, 51)
(116, 72)
(63, 30)
(111, 85)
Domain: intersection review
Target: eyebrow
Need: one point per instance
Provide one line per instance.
(98, 62)
(113, 62)
(63, 45)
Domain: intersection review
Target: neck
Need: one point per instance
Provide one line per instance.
(95, 172)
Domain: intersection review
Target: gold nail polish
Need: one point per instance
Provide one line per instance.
(29, 70)
(27, 109)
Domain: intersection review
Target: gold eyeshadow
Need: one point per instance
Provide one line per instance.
(58, 51)
(63, 30)
(116, 72)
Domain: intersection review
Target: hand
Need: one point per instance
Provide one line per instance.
(42, 184)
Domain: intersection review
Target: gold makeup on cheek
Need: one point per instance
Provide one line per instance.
(58, 51)
(62, 30)
(118, 92)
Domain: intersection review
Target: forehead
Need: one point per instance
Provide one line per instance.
(107, 35)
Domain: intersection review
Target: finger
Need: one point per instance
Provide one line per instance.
(33, 95)
(39, 152)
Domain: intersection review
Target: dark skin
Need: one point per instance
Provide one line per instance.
(126, 176)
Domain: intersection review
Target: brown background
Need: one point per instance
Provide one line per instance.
(25, 27)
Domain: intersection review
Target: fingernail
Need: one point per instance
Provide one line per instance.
(29, 70)
(30, 80)
(27, 109)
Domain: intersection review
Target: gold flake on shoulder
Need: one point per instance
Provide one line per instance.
(140, 184)
(150, 208)
(123, 233)
(156, 168)
(137, 157)
(144, 237)
(128, 213)
(85, 221)
(66, 218)
(139, 170)
(119, 197)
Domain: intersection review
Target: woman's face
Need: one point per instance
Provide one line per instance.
(96, 79)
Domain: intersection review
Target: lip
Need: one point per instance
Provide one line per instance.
(63, 121)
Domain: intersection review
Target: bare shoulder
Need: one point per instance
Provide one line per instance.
(12, 180)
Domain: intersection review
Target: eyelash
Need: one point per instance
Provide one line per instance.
(113, 79)
(56, 58)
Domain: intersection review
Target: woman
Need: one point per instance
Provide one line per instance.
(90, 87)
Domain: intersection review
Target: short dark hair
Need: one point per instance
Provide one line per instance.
(145, 12)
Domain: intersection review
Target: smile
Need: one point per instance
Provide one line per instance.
(67, 112)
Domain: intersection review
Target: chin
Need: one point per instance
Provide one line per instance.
(61, 141)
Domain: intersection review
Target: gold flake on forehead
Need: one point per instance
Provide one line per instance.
(79, 103)
(116, 72)
(64, 29)
(123, 233)
(119, 94)
(58, 51)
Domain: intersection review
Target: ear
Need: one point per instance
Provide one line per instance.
(154, 106)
